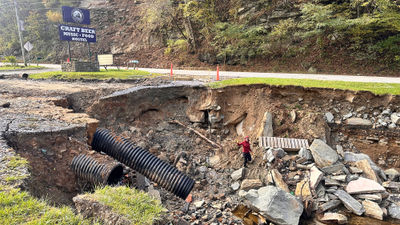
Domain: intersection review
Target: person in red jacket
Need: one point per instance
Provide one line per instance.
(246, 150)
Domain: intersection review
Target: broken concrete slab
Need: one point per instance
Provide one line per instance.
(278, 206)
(329, 205)
(303, 189)
(248, 184)
(335, 218)
(358, 123)
(372, 209)
(238, 174)
(315, 177)
(266, 129)
(367, 169)
(323, 154)
(363, 186)
(350, 203)
(278, 180)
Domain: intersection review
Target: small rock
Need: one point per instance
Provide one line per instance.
(315, 177)
(235, 186)
(341, 178)
(198, 204)
(334, 217)
(391, 185)
(364, 186)
(248, 184)
(293, 116)
(323, 154)
(339, 150)
(331, 182)
(279, 181)
(348, 115)
(392, 174)
(242, 193)
(355, 170)
(350, 203)
(394, 211)
(371, 197)
(238, 174)
(305, 153)
(6, 105)
(329, 117)
(372, 209)
(395, 117)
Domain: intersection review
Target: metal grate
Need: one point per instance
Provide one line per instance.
(289, 144)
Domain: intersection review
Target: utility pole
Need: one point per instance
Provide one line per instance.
(19, 32)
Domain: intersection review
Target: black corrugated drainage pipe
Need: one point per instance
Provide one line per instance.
(143, 162)
(89, 169)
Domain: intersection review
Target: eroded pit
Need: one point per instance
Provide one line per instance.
(147, 115)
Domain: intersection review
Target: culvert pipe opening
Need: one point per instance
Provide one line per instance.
(143, 162)
(87, 168)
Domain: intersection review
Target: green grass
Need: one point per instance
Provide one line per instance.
(18, 207)
(102, 75)
(137, 206)
(20, 67)
(16, 161)
(377, 88)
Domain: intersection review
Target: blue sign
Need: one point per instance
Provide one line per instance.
(74, 33)
(75, 15)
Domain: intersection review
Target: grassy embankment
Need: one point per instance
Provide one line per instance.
(20, 67)
(19, 207)
(376, 88)
(102, 75)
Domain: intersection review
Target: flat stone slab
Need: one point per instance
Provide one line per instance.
(251, 184)
(334, 217)
(373, 210)
(278, 180)
(329, 205)
(350, 203)
(367, 169)
(358, 122)
(315, 177)
(364, 186)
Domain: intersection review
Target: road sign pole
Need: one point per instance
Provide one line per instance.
(19, 32)
(69, 52)
(90, 54)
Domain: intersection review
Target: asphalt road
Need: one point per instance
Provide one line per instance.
(231, 74)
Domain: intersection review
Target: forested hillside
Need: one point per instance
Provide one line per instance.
(344, 36)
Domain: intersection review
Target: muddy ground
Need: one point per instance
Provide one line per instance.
(48, 122)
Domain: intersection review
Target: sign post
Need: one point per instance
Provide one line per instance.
(28, 46)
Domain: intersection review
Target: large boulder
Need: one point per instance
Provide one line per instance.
(354, 157)
(278, 206)
(266, 129)
(238, 174)
(323, 154)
